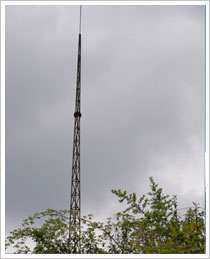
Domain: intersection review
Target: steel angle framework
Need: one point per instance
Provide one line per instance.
(75, 201)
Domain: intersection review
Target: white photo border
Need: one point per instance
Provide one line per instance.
(206, 173)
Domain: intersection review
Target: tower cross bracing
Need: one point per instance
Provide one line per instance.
(75, 200)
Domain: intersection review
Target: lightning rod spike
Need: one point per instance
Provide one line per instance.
(80, 20)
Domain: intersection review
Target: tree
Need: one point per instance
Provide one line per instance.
(150, 225)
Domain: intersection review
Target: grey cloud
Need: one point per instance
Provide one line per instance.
(142, 104)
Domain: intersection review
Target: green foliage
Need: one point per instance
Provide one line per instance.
(148, 225)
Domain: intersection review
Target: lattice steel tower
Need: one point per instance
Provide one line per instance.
(75, 201)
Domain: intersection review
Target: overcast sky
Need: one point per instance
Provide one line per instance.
(142, 105)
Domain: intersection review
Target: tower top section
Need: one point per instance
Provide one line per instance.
(80, 19)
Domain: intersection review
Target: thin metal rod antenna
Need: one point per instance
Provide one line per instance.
(80, 19)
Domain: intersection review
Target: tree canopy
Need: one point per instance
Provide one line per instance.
(150, 224)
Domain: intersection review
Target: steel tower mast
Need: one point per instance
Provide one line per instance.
(75, 201)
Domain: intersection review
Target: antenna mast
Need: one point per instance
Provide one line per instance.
(75, 202)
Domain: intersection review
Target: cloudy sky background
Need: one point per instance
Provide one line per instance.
(142, 105)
